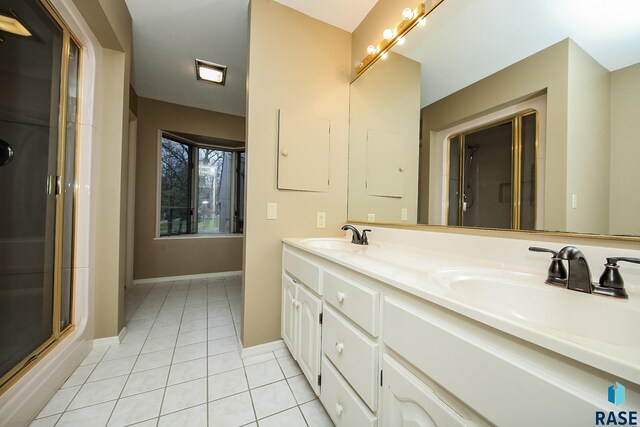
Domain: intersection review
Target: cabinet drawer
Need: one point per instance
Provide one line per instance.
(303, 270)
(356, 301)
(490, 373)
(355, 355)
(343, 406)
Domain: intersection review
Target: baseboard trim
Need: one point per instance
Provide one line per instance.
(111, 340)
(257, 350)
(187, 277)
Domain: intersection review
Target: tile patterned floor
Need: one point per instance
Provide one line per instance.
(179, 365)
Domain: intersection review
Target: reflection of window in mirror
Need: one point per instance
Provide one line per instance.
(490, 167)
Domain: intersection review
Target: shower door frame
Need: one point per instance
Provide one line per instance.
(58, 334)
(516, 164)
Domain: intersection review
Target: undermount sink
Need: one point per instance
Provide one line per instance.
(519, 297)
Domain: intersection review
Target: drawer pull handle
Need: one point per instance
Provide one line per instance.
(339, 347)
(340, 297)
(339, 409)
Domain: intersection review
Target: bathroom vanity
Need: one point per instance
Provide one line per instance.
(391, 334)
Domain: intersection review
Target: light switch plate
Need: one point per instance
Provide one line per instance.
(404, 214)
(371, 217)
(272, 211)
(321, 220)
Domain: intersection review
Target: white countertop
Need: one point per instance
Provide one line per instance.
(596, 339)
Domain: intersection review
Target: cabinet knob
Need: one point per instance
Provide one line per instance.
(339, 409)
(339, 347)
(297, 303)
(340, 297)
(285, 153)
(400, 169)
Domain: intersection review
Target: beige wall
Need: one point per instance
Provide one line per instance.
(587, 144)
(177, 256)
(110, 22)
(546, 70)
(625, 151)
(301, 64)
(385, 98)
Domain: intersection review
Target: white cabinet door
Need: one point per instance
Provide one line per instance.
(406, 401)
(289, 312)
(308, 335)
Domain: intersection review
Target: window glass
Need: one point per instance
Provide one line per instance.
(214, 191)
(175, 207)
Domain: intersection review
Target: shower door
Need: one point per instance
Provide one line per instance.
(38, 90)
(492, 175)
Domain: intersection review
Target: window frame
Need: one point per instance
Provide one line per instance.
(192, 231)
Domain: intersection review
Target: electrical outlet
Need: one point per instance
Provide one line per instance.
(371, 217)
(574, 201)
(321, 220)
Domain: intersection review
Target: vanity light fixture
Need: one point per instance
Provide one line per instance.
(410, 18)
(210, 72)
(10, 23)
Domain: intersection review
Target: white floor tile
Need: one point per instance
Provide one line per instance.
(193, 315)
(193, 325)
(282, 352)
(227, 383)
(190, 352)
(232, 411)
(135, 336)
(219, 311)
(272, 398)
(59, 401)
(141, 382)
(289, 366)
(123, 350)
(94, 416)
(148, 423)
(112, 368)
(95, 355)
(98, 392)
(46, 421)
(153, 360)
(133, 409)
(315, 414)
(224, 362)
(223, 345)
(184, 396)
(164, 329)
(263, 373)
(218, 332)
(79, 376)
(289, 418)
(301, 389)
(192, 417)
(187, 371)
(258, 359)
(160, 343)
(192, 337)
(223, 320)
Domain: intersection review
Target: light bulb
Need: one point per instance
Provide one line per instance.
(384, 55)
(371, 49)
(401, 41)
(423, 22)
(387, 34)
(358, 64)
(407, 14)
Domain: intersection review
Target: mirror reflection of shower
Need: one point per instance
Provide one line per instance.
(489, 168)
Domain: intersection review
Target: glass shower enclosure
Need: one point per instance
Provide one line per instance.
(39, 71)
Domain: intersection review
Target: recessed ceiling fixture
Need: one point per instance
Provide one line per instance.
(208, 71)
(10, 23)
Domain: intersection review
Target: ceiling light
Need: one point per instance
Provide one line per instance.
(10, 23)
(387, 34)
(211, 72)
(372, 50)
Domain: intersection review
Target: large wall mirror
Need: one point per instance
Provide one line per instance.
(505, 115)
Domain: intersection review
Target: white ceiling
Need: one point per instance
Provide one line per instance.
(344, 14)
(169, 35)
(467, 40)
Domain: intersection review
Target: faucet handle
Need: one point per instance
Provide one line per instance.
(611, 279)
(557, 273)
(364, 239)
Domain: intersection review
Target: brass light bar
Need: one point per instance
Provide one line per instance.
(419, 13)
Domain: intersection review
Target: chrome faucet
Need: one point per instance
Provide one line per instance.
(357, 238)
(579, 278)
